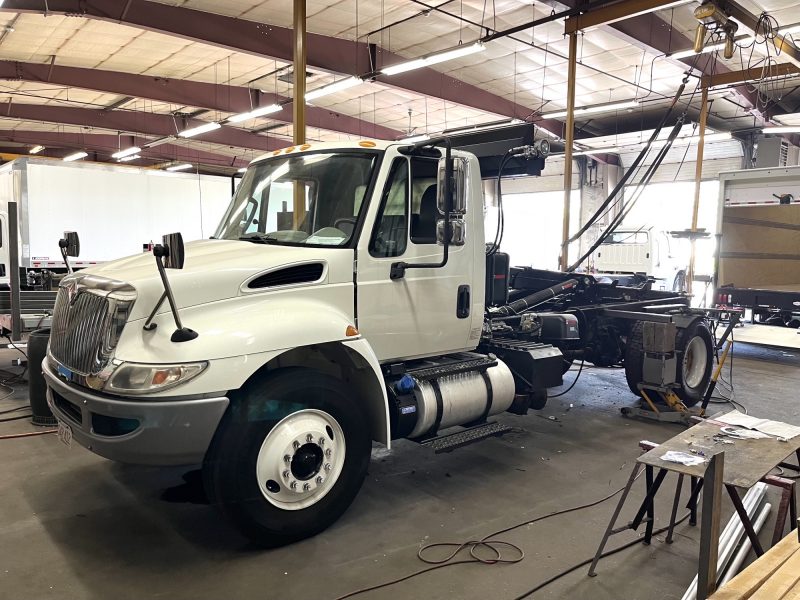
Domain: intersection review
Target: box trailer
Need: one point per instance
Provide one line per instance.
(758, 262)
(118, 210)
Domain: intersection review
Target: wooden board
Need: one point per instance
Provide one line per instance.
(746, 461)
(752, 239)
(746, 583)
(781, 581)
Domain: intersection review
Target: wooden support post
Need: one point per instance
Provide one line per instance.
(698, 176)
(709, 528)
(569, 136)
(299, 104)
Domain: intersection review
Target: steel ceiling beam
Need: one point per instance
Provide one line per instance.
(617, 11)
(106, 144)
(328, 53)
(225, 98)
(136, 122)
(749, 75)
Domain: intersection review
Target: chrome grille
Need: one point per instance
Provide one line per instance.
(86, 326)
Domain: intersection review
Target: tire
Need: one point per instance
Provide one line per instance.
(634, 357)
(695, 351)
(693, 378)
(297, 414)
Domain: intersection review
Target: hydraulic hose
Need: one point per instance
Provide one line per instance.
(521, 305)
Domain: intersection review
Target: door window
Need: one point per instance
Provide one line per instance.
(390, 235)
(424, 212)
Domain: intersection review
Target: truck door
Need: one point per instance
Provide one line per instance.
(4, 279)
(421, 314)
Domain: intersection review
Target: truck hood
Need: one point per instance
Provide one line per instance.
(220, 269)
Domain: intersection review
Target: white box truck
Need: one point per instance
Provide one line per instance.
(116, 209)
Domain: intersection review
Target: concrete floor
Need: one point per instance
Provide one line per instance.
(74, 525)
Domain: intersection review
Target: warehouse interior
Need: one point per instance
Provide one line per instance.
(499, 298)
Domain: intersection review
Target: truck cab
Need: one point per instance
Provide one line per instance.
(645, 251)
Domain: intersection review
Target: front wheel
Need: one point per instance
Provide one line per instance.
(289, 456)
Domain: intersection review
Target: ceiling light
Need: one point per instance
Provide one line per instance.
(256, 112)
(158, 142)
(332, 88)
(415, 138)
(783, 129)
(182, 167)
(36, 149)
(127, 152)
(187, 133)
(75, 156)
(599, 108)
(435, 58)
(130, 157)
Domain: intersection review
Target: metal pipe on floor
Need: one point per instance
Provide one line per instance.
(740, 556)
(732, 534)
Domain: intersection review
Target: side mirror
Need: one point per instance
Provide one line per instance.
(174, 256)
(458, 201)
(71, 243)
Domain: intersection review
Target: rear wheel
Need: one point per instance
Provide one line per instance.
(289, 456)
(695, 352)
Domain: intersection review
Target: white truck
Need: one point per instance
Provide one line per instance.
(331, 311)
(117, 208)
(643, 251)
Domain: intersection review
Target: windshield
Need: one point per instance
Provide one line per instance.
(309, 199)
(627, 237)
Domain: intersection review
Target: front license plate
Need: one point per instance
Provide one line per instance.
(65, 433)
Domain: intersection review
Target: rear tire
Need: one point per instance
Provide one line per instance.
(288, 457)
(694, 349)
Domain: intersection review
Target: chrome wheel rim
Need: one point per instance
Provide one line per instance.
(695, 361)
(300, 459)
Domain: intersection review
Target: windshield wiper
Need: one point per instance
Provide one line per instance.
(259, 238)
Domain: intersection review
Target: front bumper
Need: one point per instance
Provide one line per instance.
(152, 432)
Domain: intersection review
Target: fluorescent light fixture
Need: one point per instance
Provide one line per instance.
(435, 58)
(332, 88)
(158, 142)
(681, 141)
(182, 167)
(187, 133)
(416, 138)
(691, 52)
(242, 170)
(256, 112)
(130, 157)
(599, 108)
(35, 149)
(127, 152)
(782, 129)
(75, 156)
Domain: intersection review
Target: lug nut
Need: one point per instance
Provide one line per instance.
(321, 441)
(309, 438)
(295, 444)
(286, 474)
(328, 453)
(319, 480)
(306, 487)
(293, 485)
(287, 459)
(327, 466)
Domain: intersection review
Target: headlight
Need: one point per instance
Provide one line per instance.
(132, 378)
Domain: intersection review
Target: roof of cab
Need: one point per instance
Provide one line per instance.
(316, 146)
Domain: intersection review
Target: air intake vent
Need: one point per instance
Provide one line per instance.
(288, 276)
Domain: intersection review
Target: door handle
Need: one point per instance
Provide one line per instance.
(463, 302)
